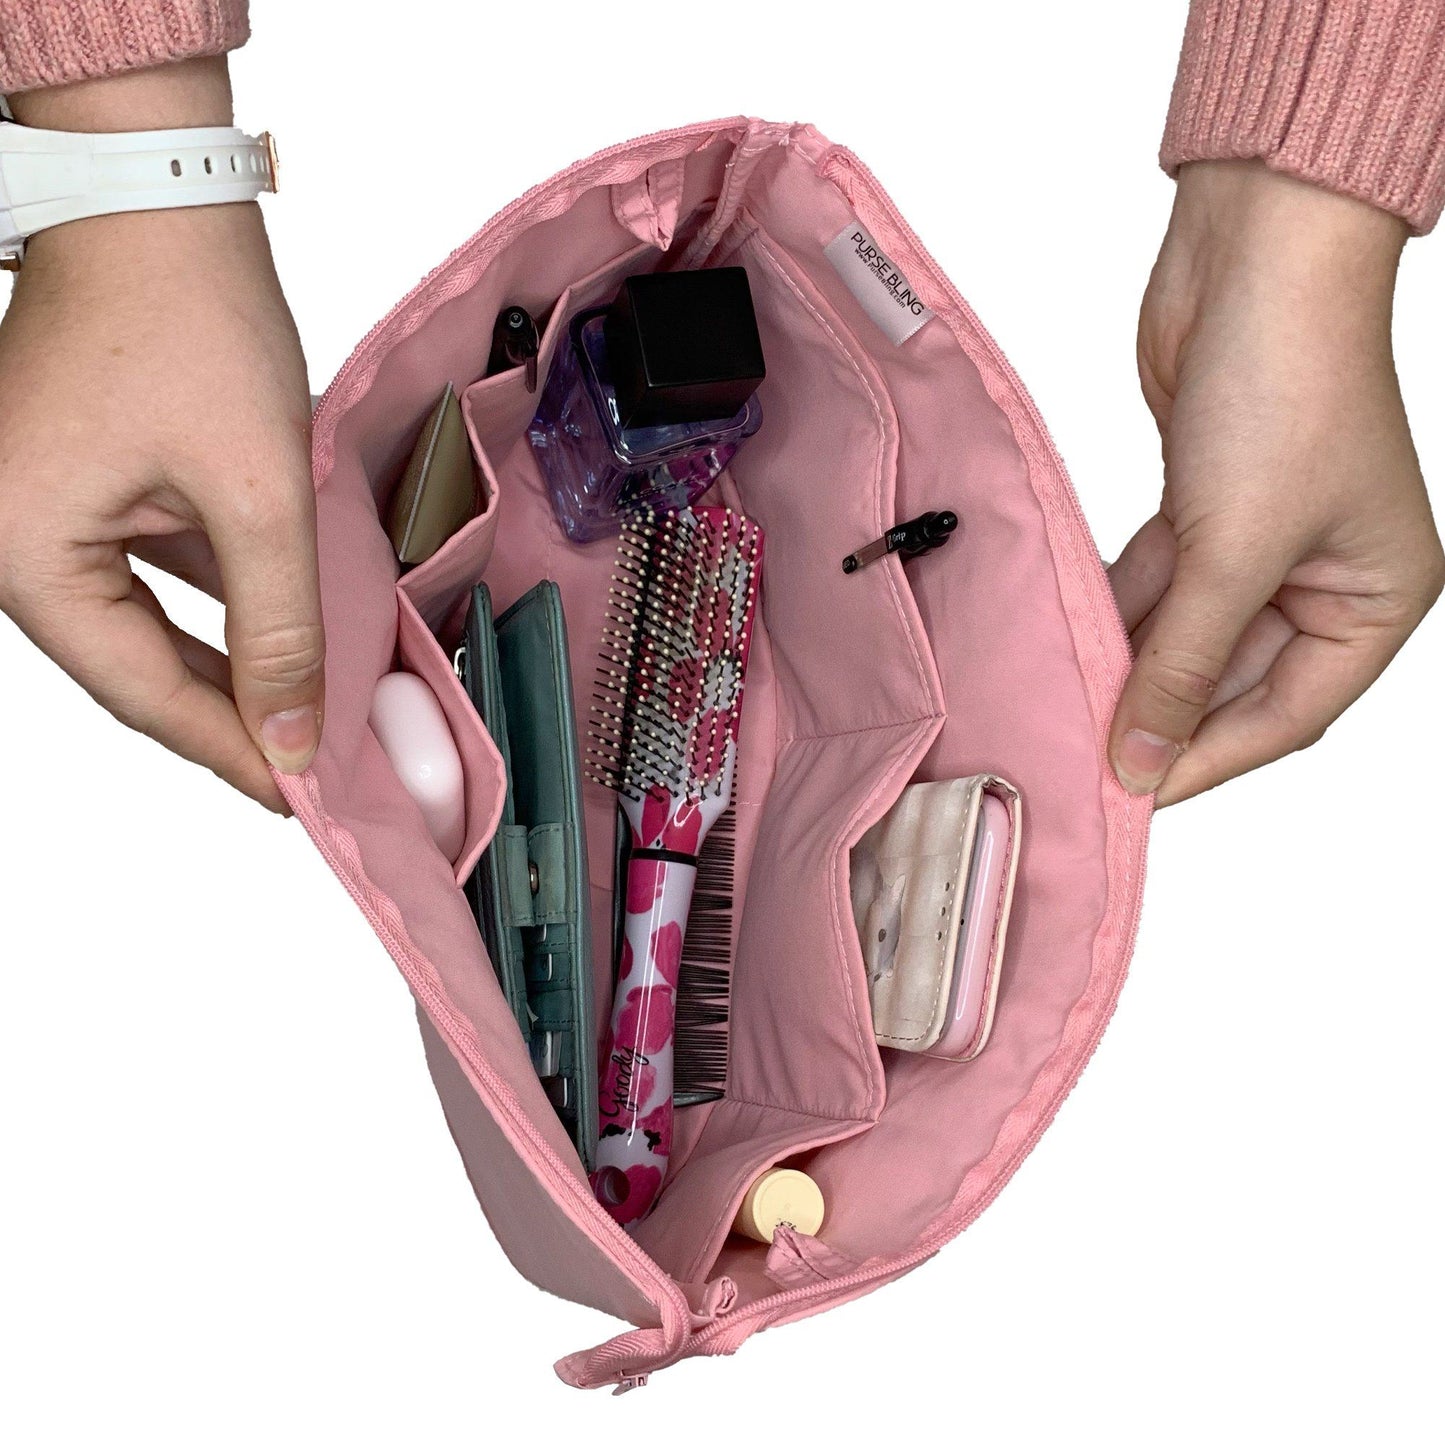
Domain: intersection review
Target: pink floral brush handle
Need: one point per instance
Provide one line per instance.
(635, 1098)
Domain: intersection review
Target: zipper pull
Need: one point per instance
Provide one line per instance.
(515, 342)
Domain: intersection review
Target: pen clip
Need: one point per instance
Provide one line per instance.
(515, 342)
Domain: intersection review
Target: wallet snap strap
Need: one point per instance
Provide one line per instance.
(533, 872)
(546, 850)
(510, 844)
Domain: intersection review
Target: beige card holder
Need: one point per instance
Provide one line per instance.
(438, 492)
(911, 877)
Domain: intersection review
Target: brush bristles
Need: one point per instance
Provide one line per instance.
(674, 643)
(704, 984)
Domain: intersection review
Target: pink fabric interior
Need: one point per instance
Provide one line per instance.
(964, 662)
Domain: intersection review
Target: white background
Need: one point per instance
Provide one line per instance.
(229, 1207)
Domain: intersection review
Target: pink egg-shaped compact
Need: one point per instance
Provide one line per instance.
(412, 729)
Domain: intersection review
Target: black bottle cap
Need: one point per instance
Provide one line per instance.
(683, 347)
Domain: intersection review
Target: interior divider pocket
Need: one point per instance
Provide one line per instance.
(839, 733)
(483, 774)
(437, 589)
(496, 410)
(803, 1069)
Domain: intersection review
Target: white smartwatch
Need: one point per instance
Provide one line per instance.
(48, 177)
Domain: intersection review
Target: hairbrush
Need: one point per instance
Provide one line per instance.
(663, 736)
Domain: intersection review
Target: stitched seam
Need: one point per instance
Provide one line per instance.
(798, 1113)
(924, 717)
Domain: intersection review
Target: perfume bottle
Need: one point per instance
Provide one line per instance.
(649, 399)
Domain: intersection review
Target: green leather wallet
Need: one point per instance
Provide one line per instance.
(530, 890)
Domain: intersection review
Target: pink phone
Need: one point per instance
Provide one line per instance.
(975, 969)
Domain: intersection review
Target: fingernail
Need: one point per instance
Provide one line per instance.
(289, 739)
(1143, 759)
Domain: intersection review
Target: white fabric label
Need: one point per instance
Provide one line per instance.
(878, 286)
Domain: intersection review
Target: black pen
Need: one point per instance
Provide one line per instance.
(911, 539)
(514, 343)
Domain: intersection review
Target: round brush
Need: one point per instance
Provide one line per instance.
(663, 736)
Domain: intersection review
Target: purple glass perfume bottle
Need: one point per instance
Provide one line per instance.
(649, 399)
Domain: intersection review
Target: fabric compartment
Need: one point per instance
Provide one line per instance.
(827, 740)
(483, 775)
(999, 654)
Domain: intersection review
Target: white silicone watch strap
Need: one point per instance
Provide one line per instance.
(50, 177)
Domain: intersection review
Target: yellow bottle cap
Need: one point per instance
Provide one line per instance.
(780, 1196)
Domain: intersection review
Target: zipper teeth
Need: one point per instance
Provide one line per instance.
(440, 1010)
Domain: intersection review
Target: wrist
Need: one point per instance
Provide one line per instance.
(177, 96)
(129, 158)
(1241, 223)
(130, 247)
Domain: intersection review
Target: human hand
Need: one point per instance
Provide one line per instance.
(156, 406)
(1294, 550)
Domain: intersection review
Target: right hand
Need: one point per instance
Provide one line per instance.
(156, 406)
(1294, 550)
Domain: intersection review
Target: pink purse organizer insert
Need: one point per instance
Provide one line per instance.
(1002, 654)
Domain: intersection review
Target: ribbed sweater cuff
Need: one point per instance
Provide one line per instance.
(53, 42)
(1349, 94)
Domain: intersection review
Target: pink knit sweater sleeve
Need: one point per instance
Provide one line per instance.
(51, 42)
(1349, 94)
